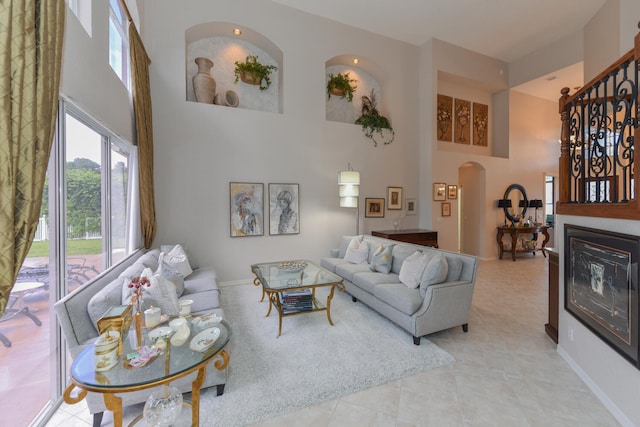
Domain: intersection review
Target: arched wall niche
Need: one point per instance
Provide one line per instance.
(217, 42)
(369, 77)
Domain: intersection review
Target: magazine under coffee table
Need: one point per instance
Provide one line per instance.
(291, 287)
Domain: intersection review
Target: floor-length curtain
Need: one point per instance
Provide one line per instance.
(144, 134)
(31, 35)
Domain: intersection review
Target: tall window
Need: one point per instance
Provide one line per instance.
(118, 41)
(82, 232)
(549, 199)
(82, 10)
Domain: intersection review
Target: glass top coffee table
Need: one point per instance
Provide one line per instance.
(291, 287)
(174, 362)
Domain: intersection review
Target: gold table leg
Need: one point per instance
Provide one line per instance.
(114, 404)
(195, 396)
(70, 399)
(340, 287)
(256, 282)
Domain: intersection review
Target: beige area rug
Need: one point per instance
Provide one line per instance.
(311, 361)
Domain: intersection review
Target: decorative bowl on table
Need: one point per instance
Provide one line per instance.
(292, 266)
(206, 320)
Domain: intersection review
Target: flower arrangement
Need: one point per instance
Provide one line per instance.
(137, 286)
(463, 114)
(480, 122)
(444, 115)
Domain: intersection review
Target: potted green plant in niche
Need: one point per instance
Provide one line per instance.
(373, 123)
(253, 72)
(341, 85)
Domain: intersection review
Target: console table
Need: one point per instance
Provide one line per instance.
(412, 235)
(514, 232)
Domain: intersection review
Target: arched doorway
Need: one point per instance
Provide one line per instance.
(472, 180)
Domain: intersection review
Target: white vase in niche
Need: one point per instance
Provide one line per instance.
(228, 99)
(204, 85)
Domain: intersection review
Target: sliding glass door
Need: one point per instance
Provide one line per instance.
(83, 229)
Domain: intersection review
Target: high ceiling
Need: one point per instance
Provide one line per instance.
(503, 29)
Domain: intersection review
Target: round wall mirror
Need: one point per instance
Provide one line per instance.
(519, 202)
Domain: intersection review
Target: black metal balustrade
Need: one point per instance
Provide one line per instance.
(600, 124)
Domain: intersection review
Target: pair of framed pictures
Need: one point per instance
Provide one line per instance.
(443, 192)
(374, 207)
(246, 202)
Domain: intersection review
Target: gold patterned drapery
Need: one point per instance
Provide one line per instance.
(144, 134)
(31, 37)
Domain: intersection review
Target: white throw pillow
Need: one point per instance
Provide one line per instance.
(160, 293)
(357, 252)
(436, 271)
(412, 269)
(177, 258)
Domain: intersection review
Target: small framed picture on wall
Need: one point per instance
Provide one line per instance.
(394, 198)
(374, 208)
(411, 206)
(453, 192)
(446, 209)
(439, 191)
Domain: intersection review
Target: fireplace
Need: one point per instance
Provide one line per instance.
(601, 285)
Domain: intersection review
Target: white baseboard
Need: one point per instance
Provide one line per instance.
(601, 395)
(235, 283)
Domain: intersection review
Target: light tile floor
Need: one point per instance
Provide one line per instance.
(507, 371)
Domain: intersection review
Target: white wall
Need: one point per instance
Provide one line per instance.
(200, 148)
(610, 376)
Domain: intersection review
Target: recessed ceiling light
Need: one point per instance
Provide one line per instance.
(237, 31)
(356, 60)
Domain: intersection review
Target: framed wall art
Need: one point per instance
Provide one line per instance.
(374, 208)
(246, 203)
(462, 114)
(444, 118)
(394, 198)
(452, 192)
(601, 286)
(411, 206)
(446, 209)
(439, 191)
(284, 208)
(480, 124)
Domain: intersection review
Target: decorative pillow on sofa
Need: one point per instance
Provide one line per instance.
(170, 273)
(161, 293)
(412, 269)
(357, 252)
(177, 258)
(382, 259)
(435, 271)
(346, 241)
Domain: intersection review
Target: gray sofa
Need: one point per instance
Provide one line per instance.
(430, 308)
(79, 311)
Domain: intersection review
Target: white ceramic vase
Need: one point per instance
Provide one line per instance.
(228, 99)
(204, 85)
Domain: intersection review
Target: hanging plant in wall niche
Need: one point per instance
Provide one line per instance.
(253, 72)
(341, 85)
(373, 123)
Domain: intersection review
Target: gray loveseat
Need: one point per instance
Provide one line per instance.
(430, 308)
(79, 311)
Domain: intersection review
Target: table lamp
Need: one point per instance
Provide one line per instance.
(505, 204)
(535, 203)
